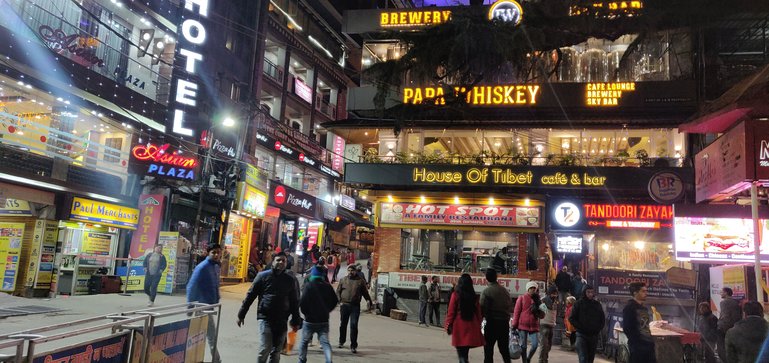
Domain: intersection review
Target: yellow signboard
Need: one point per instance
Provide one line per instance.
(15, 207)
(413, 18)
(251, 200)
(10, 254)
(606, 94)
(87, 210)
(497, 95)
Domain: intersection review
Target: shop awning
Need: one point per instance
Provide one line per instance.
(354, 218)
(747, 99)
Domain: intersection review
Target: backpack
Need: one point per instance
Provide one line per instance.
(330, 260)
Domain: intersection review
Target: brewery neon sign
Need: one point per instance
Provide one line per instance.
(606, 94)
(413, 18)
(193, 34)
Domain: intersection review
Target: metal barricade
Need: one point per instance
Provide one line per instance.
(17, 356)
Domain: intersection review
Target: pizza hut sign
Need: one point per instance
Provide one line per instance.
(292, 200)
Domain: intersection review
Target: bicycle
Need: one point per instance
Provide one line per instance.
(419, 263)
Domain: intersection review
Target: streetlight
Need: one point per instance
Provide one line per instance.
(228, 122)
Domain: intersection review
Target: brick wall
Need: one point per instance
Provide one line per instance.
(387, 249)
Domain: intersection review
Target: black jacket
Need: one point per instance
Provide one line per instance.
(278, 297)
(318, 299)
(744, 340)
(587, 316)
(708, 328)
(563, 281)
(635, 323)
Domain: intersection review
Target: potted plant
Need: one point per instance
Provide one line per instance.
(643, 157)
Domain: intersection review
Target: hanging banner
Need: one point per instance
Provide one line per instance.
(151, 208)
(459, 215)
(112, 349)
(10, 249)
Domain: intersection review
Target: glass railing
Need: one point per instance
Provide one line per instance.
(273, 71)
(521, 160)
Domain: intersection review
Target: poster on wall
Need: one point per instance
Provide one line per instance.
(719, 239)
(170, 242)
(11, 235)
(734, 278)
(615, 282)
(635, 255)
(96, 244)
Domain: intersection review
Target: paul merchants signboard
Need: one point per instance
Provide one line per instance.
(11, 235)
(459, 215)
(91, 211)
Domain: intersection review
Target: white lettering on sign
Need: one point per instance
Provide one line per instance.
(193, 32)
(764, 153)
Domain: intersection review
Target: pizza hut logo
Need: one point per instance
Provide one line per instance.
(763, 154)
(277, 145)
(301, 156)
(280, 195)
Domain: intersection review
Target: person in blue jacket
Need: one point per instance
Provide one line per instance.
(203, 287)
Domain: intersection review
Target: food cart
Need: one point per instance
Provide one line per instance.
(672, 344)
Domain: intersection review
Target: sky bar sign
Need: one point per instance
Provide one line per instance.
(193, 35)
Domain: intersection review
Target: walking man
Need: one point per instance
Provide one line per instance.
(154, 265)
(588, 318)
(424, 295)
(203, 287)
(744, 340)
(318, 299)
(496, 305)
(550, 307)
(434, 302)
(278, 298)
(350, 290)
(730, 313)
(635, 324)
(563, 282)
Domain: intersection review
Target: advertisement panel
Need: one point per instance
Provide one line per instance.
(11, 235)
(181, 341)
(459, 215)
(164, 161)
(337, 158)
(170, 242)
(292, 200)
(41, 257)
(151, 208)
(719, 239)
(87, 210)
(14, 207)
(722, 166)
(615, 282)
(112, 349)
(412, 280)
(251, 200)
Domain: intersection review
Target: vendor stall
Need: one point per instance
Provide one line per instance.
(672, 344)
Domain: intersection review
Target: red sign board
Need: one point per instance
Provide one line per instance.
(629, 215)
(163, 161)
(460, 215)
(150, 217)
(337, 160)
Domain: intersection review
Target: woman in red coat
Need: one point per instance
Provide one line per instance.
(463, 319)
(526, 321)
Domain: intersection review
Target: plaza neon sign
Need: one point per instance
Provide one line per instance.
(162, 162)
(194, 34)
(413, 18)
(500, 95)
(606, 94)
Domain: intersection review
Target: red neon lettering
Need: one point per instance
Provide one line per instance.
(158, 154)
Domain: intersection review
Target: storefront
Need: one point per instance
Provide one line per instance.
(243, 230)
(89, 240)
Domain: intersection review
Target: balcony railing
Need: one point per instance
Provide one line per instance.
(283, 132)
(273, 71)
(521, 160)
(325, 108)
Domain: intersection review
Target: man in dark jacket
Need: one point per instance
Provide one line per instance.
(424, 295)
(588, 318)
(743, 341)
(730, 313)
(350, 290)
(563, 283)
(708, 328)
(578, 285)
(496, 305)
(203, 287)
(154, 265)
(318, 299)
(635, 324)
(278, 298)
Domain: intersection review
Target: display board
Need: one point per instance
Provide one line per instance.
(10, 250)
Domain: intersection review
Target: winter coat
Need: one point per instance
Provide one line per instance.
(578, 286)
(523, 318)
(744, 340)
(563, 281)
(569, 327)
(162, 265)
(278, 297)
(708, 328)
(550, 308)
(496, 302)
(424, 294)
(203, 285)
(731, 312)
(435, 293)
(350, 291)
(587, 316)
(635, 323)
(318, 300)
(464, 333)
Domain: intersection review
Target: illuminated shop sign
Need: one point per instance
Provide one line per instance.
(606, 94)
(302, 90)
(193, 34)
(81, 49)
(568, 244)
(413, 18)
(589, 216)
(628, 8)
(287, 152)
(505, 176)
(251, 201)
(508, 11)
(87, 210)
(719, 239)
(459, 215)
(500, 95)
(163, 161)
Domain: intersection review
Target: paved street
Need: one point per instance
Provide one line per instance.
(381, 339)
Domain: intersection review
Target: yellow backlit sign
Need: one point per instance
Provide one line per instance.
(413, 18)
(505, 176)
(606, 94)
(104, 213)
(477, 96)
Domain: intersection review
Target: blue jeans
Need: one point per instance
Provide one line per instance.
(423, 311)
(586, 347)
(151, 285)
(308, 329)
(351, 313)
(271, 339)
(524, 337)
